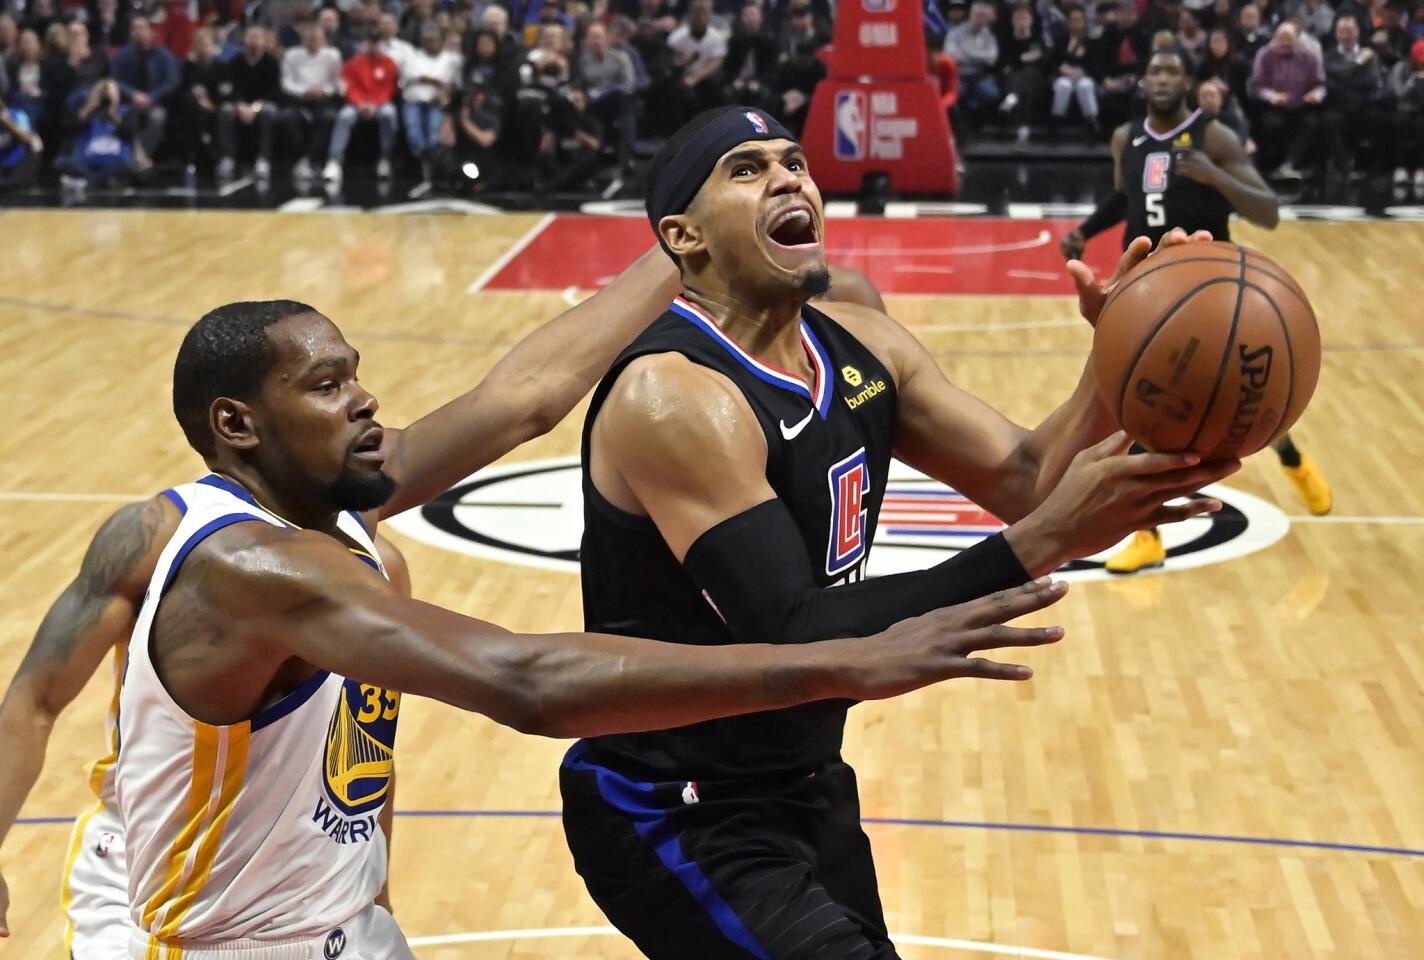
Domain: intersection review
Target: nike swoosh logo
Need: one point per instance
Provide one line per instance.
(1138, 141)
(791, 433)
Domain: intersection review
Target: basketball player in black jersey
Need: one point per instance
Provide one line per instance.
(735, 457)
(1178, 167)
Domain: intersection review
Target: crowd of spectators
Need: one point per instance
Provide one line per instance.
(537, 94)
(1307, 85)
(529, 94)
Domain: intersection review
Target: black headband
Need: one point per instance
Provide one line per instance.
(689, 167)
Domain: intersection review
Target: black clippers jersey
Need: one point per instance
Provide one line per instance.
(828, 449)
(1158, 199)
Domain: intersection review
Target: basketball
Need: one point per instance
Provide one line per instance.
(1207, 347)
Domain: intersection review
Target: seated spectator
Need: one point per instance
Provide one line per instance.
(9, 37)
(311, 83)
(1251, 35)
(198, 94)
(607, 79)
(1306, 41)
(337, 37)
(1290, 86)
(86, 65)
(1023, 61)
(751, 59)
(1216, 101)
(1222, 62)
(251, 91)
(1356, 110)
(550, 56)
(108, 27)
(1316, 17)
(620, 37)
(1074, 69)
(428, 81)
(1123, 51)
(1219, 16)
(1390, 39)
(975, 50)
(496, 19)
(1190, 35)
(1406, 83)
(657, 19)
(147, 75)
(697, 51)
(487, 66)
(418, 16)
(1161, 15)
(370, 79)
(798, 68)
(21, 148)
(105, 148)
(471, 139)
(392, 45)
(32, 81)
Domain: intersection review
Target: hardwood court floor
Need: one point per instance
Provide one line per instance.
(1276, 696)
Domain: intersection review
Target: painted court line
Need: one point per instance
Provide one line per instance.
(529, 237)
(549, 933)
(956, 824)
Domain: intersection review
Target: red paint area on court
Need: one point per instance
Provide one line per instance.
(979, 256)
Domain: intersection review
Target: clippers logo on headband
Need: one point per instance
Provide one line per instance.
(757, 122)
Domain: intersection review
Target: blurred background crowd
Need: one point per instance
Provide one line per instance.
(467, 95)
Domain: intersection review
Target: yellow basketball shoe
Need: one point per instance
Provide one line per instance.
(1311, 485)
(1142, 552)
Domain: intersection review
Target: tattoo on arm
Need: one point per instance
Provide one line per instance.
(106, 571)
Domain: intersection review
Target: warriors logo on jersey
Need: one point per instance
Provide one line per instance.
(360, 747)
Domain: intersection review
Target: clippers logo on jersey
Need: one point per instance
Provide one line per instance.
(1154, 172)
(758, 124)
(851, 124)
(360, 747)
(531, 514)
(849, 480)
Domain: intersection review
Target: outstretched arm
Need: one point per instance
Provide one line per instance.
(93, 614)
(320, 604)
(530, 390)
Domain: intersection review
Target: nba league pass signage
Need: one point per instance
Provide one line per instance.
(532, 513)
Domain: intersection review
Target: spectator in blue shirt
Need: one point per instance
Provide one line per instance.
(147, 74)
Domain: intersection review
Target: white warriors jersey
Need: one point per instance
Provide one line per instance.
(260, 830)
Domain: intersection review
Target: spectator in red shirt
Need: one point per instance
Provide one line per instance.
(370, 82)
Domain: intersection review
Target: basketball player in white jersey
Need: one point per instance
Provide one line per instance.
(188, 859)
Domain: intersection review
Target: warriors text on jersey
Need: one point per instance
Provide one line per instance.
(828, 449)
(1157, 198)
(261, 830)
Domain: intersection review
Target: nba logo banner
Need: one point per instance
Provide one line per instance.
(848, 480)
(852, 122)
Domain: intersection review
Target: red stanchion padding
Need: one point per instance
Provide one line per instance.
(892, 126)
(884, 39)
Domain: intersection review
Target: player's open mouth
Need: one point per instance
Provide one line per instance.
(369, 446)
(793, 228)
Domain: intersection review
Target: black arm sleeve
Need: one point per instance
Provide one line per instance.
(754, 569)
(1111, 210)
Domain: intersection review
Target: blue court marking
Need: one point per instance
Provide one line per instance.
(956, 824)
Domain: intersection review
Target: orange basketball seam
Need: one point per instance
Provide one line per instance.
(1146, 341)
(1225, 353)
(1161, 266)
